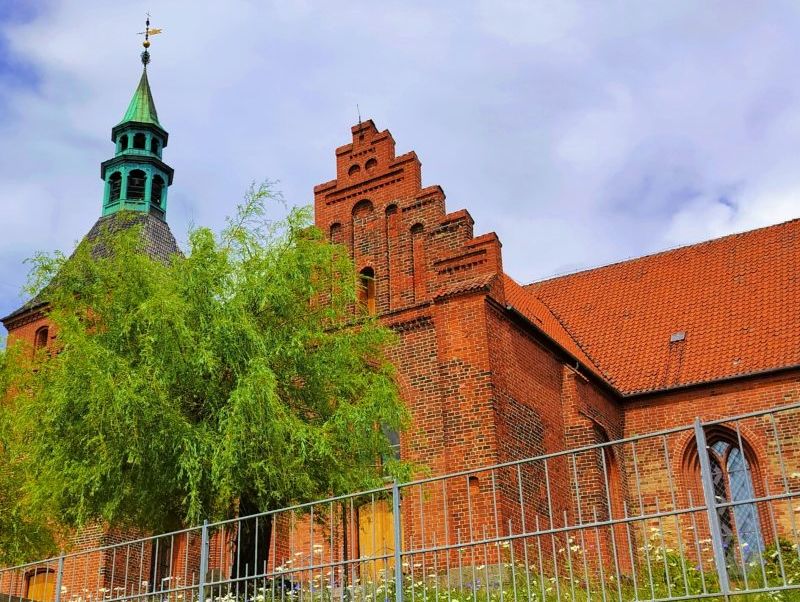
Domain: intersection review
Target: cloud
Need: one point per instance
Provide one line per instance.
(581, 133)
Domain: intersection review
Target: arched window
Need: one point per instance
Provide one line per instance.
(41, 585)
(139, 141)
(336, 233)
(366, 291)
(157, 192)
(136, 182)
(154, 145)
(362, 208)
(123, 142)
(354, 169)
(394, 442)
(114, 186)
(40, 338)
(418, 261)
(371, 164)
(732, 465)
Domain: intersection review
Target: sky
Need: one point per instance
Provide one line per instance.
(583, 133)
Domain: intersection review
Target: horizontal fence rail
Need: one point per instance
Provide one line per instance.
(706, 511)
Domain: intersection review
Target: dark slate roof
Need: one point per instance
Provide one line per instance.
(159, 241)
(159, 244)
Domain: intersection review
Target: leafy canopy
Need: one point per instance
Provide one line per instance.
(180, 389)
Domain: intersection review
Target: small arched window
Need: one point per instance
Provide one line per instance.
(40, 338)
(336, 233)
(41, 585)
(123, 142)
(136, 183)
(354, 169)
(366, 291)
(154, 145)
(371, 164)
(114, 186)
(394, 442)
(157, 191)
(139, 141)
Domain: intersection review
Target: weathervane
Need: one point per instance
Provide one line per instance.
(147, 33)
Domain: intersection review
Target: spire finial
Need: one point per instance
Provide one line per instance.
(146, 43)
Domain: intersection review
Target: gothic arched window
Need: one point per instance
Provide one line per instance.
(114, 186)
(732, 466)
(136, 182)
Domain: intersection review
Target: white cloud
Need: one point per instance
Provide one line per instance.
(582, 132)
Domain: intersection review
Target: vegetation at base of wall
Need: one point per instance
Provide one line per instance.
(236, 379)
(668, 575)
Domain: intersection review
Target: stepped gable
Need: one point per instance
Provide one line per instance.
(716, 310)
(418, 252)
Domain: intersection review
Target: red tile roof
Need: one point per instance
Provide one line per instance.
(737, 299)
(540, 316)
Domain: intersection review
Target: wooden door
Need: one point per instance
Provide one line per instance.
(42, 586)
(376, 540)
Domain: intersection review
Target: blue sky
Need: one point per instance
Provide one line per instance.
(581, 132)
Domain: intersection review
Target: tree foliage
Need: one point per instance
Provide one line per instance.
(240, 374)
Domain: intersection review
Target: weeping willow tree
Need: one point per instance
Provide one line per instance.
(236, 379)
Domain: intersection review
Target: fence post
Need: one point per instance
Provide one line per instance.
(201, 583)
(60, 576)
(398, 543)
(711, 508)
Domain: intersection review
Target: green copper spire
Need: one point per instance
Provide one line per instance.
(136, 178)
(142, 108)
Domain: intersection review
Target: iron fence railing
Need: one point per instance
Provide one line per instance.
(709, 510)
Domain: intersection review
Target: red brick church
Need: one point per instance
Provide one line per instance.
(494, 370)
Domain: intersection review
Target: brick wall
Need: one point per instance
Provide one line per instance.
(483, 386)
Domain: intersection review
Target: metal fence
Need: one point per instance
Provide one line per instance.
(705, 511)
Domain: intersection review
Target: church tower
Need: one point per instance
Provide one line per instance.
(134, 194)
(136, 178)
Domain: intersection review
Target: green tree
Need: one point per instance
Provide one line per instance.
(236, 379)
